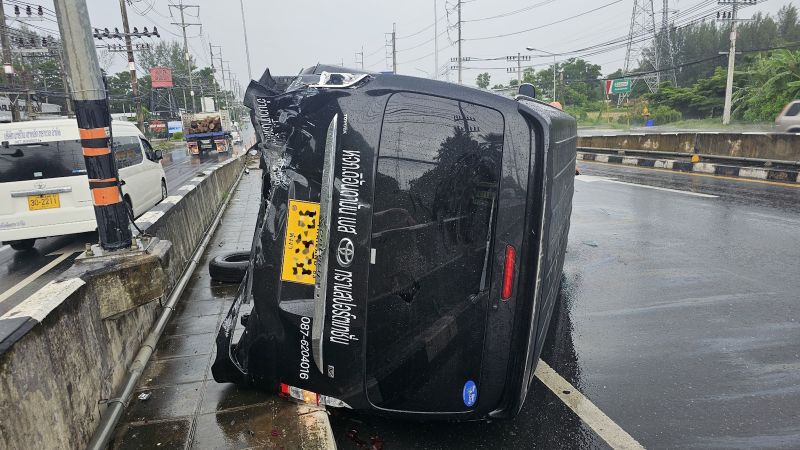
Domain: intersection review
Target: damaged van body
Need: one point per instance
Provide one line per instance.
(409, 245)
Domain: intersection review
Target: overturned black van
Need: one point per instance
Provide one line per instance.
(409, 245)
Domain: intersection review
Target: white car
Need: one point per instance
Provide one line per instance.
(44, 190)
(788, 120)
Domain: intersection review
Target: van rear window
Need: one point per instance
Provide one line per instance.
(793, 110)
(41, 160)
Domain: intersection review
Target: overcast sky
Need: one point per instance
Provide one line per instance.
(291, 34)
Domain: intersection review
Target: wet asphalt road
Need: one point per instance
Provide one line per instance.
(679, 319)
(16, 267)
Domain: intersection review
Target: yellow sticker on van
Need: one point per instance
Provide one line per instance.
(300, 243)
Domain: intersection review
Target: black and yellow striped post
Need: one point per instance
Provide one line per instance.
(94, 123)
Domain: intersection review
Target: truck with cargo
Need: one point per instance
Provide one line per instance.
(207, 132)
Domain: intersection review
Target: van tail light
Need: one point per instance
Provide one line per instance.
(508, 272)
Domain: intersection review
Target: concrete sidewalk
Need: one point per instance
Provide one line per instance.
(186, 408)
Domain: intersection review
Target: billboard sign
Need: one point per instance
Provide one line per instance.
(161, 77)
(157, 126)
(619, 86)
(174, 126)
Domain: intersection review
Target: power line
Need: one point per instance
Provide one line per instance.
(545, 25)
(511, 13)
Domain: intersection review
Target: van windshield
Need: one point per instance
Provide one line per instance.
(41, 160)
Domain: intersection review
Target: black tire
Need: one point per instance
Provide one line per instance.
(163, 189)
(230, 267)
(22, 245)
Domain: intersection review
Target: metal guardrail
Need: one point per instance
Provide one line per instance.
(616, 151)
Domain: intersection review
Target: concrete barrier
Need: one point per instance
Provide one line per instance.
(768, 146)
(65, 350)
(755, 173)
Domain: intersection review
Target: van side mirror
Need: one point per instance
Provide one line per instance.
(159, 155)
(528, 90)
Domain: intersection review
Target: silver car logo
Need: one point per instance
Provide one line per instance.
(345, 252)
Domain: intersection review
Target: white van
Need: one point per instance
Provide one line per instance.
(44, 190)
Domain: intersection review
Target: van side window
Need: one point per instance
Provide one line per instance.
(793, 110)
(127, 151)
(148, 150)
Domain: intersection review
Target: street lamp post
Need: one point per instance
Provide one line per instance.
(531, 49)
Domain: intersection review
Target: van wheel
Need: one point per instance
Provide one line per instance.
(230, 267)
(22, 245)
(163, 189)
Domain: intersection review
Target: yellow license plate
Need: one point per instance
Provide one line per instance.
(46, 201)
(300, 243)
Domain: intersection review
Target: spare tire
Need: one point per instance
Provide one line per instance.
(230, 267)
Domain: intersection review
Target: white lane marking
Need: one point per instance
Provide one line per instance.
(150, 216)
(592, 179)
(589, 178)
(46, 299)
(32, 277)
(606, 428)
(73, 247)
(696, 194)
(172, 199)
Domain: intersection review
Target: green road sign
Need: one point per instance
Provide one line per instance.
(620, 86)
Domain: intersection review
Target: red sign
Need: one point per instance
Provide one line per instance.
(609, 83)
(161, 77)
(158, 126)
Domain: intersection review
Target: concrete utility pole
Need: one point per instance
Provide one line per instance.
(726, 114)
(181, 7)
(213, 79)
(459, 42)
(94, 123)
(394, 48)
(8, 64)
(519, 68)
(65, 80)
(222, 71)
(361, 54)
(246, 47)
(28, 93)
(132, 66)
(435, 42)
